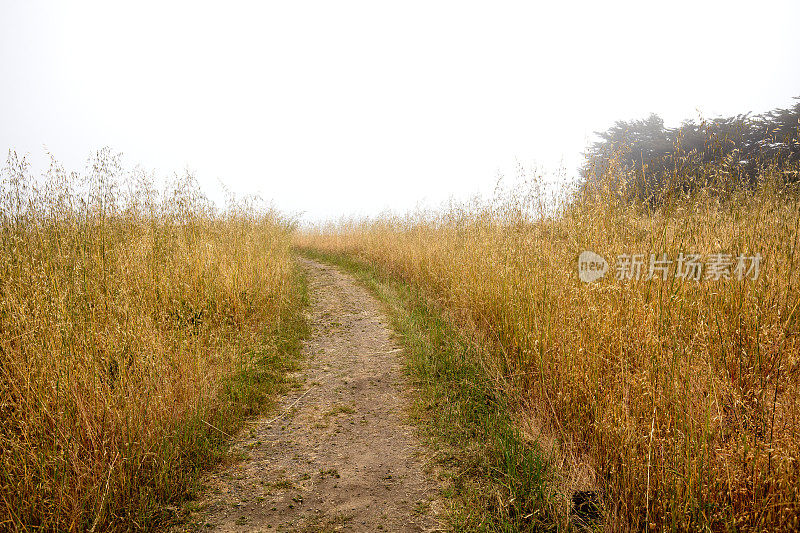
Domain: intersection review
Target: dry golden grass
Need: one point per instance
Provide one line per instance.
(125, 317)
(677, 399)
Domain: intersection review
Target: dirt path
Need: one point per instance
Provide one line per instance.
(343, 457)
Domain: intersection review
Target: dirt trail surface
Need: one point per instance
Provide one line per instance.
(339, 454)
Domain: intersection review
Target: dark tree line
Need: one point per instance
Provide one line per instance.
(654, 159)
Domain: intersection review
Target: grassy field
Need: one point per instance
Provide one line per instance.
(675, 401)
(137, 330)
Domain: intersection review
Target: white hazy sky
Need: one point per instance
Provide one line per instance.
(340, 108)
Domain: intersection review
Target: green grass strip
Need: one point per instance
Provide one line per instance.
(203, 442)
(493, 479)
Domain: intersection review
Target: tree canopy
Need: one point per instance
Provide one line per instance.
(653, 157)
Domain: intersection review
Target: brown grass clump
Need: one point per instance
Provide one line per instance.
(676, 399)
(125, 318)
